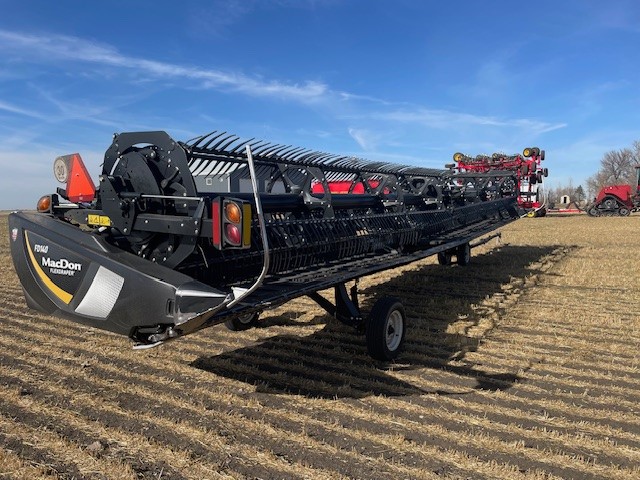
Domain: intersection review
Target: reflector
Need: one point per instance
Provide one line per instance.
(70, 169)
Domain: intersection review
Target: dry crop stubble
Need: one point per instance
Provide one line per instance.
(523, 365)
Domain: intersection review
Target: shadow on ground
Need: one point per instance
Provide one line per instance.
(332, 362)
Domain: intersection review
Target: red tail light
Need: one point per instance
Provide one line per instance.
(233, 235)
(231, 223)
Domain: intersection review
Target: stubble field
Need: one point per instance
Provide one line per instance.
(525, 364)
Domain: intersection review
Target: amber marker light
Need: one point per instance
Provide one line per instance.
(232, 212)
(44, 204)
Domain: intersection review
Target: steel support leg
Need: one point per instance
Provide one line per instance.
(346, 308)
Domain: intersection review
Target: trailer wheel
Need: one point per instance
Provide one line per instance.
(243, 322)
(386, 329)
(463, 254)
(444, 258)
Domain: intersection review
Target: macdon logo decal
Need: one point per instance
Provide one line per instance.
(62, 266)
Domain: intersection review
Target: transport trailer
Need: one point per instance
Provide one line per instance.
(179, 236)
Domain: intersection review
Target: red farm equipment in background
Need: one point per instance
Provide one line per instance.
(617, 200)
(527, 168)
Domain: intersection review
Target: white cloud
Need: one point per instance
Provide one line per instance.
(57, 47)
(8, 107)
(52, 48)
(443, 119)
(367, 140)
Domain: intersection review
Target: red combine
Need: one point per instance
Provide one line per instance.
(528, 172)
(617, 200)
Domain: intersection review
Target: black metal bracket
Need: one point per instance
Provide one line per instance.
(346, 308)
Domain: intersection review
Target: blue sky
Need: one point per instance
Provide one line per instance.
(405, 81)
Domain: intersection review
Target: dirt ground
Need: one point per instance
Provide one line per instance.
(525, 364)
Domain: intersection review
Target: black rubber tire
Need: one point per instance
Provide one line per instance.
(536, 151)
(609, 203)
(444, 258)
(386, 329)
(545, 172)
(242, 323)
(463, 254)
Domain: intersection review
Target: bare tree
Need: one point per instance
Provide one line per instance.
(616, 167)
(556, 193)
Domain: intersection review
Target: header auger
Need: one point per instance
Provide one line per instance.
(184, 235)
(527, 169)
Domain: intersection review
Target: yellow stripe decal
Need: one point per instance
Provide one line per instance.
(57, 291)
(246, 224)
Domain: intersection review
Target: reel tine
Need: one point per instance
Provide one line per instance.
(297, 155)
(308, 156)
(338, 161)
(324, 160)
(286, 154)
(231, 140)
(255, 144)
(343, 162)
(193, 142)
(241, 145)
(206, 145)
(264, 148)
(276, 152)
(223, 143)
(313, 158)
(216, 147)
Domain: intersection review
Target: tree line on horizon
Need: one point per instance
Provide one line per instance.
(616, 167)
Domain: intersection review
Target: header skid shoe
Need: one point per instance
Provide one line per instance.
(79, 276)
